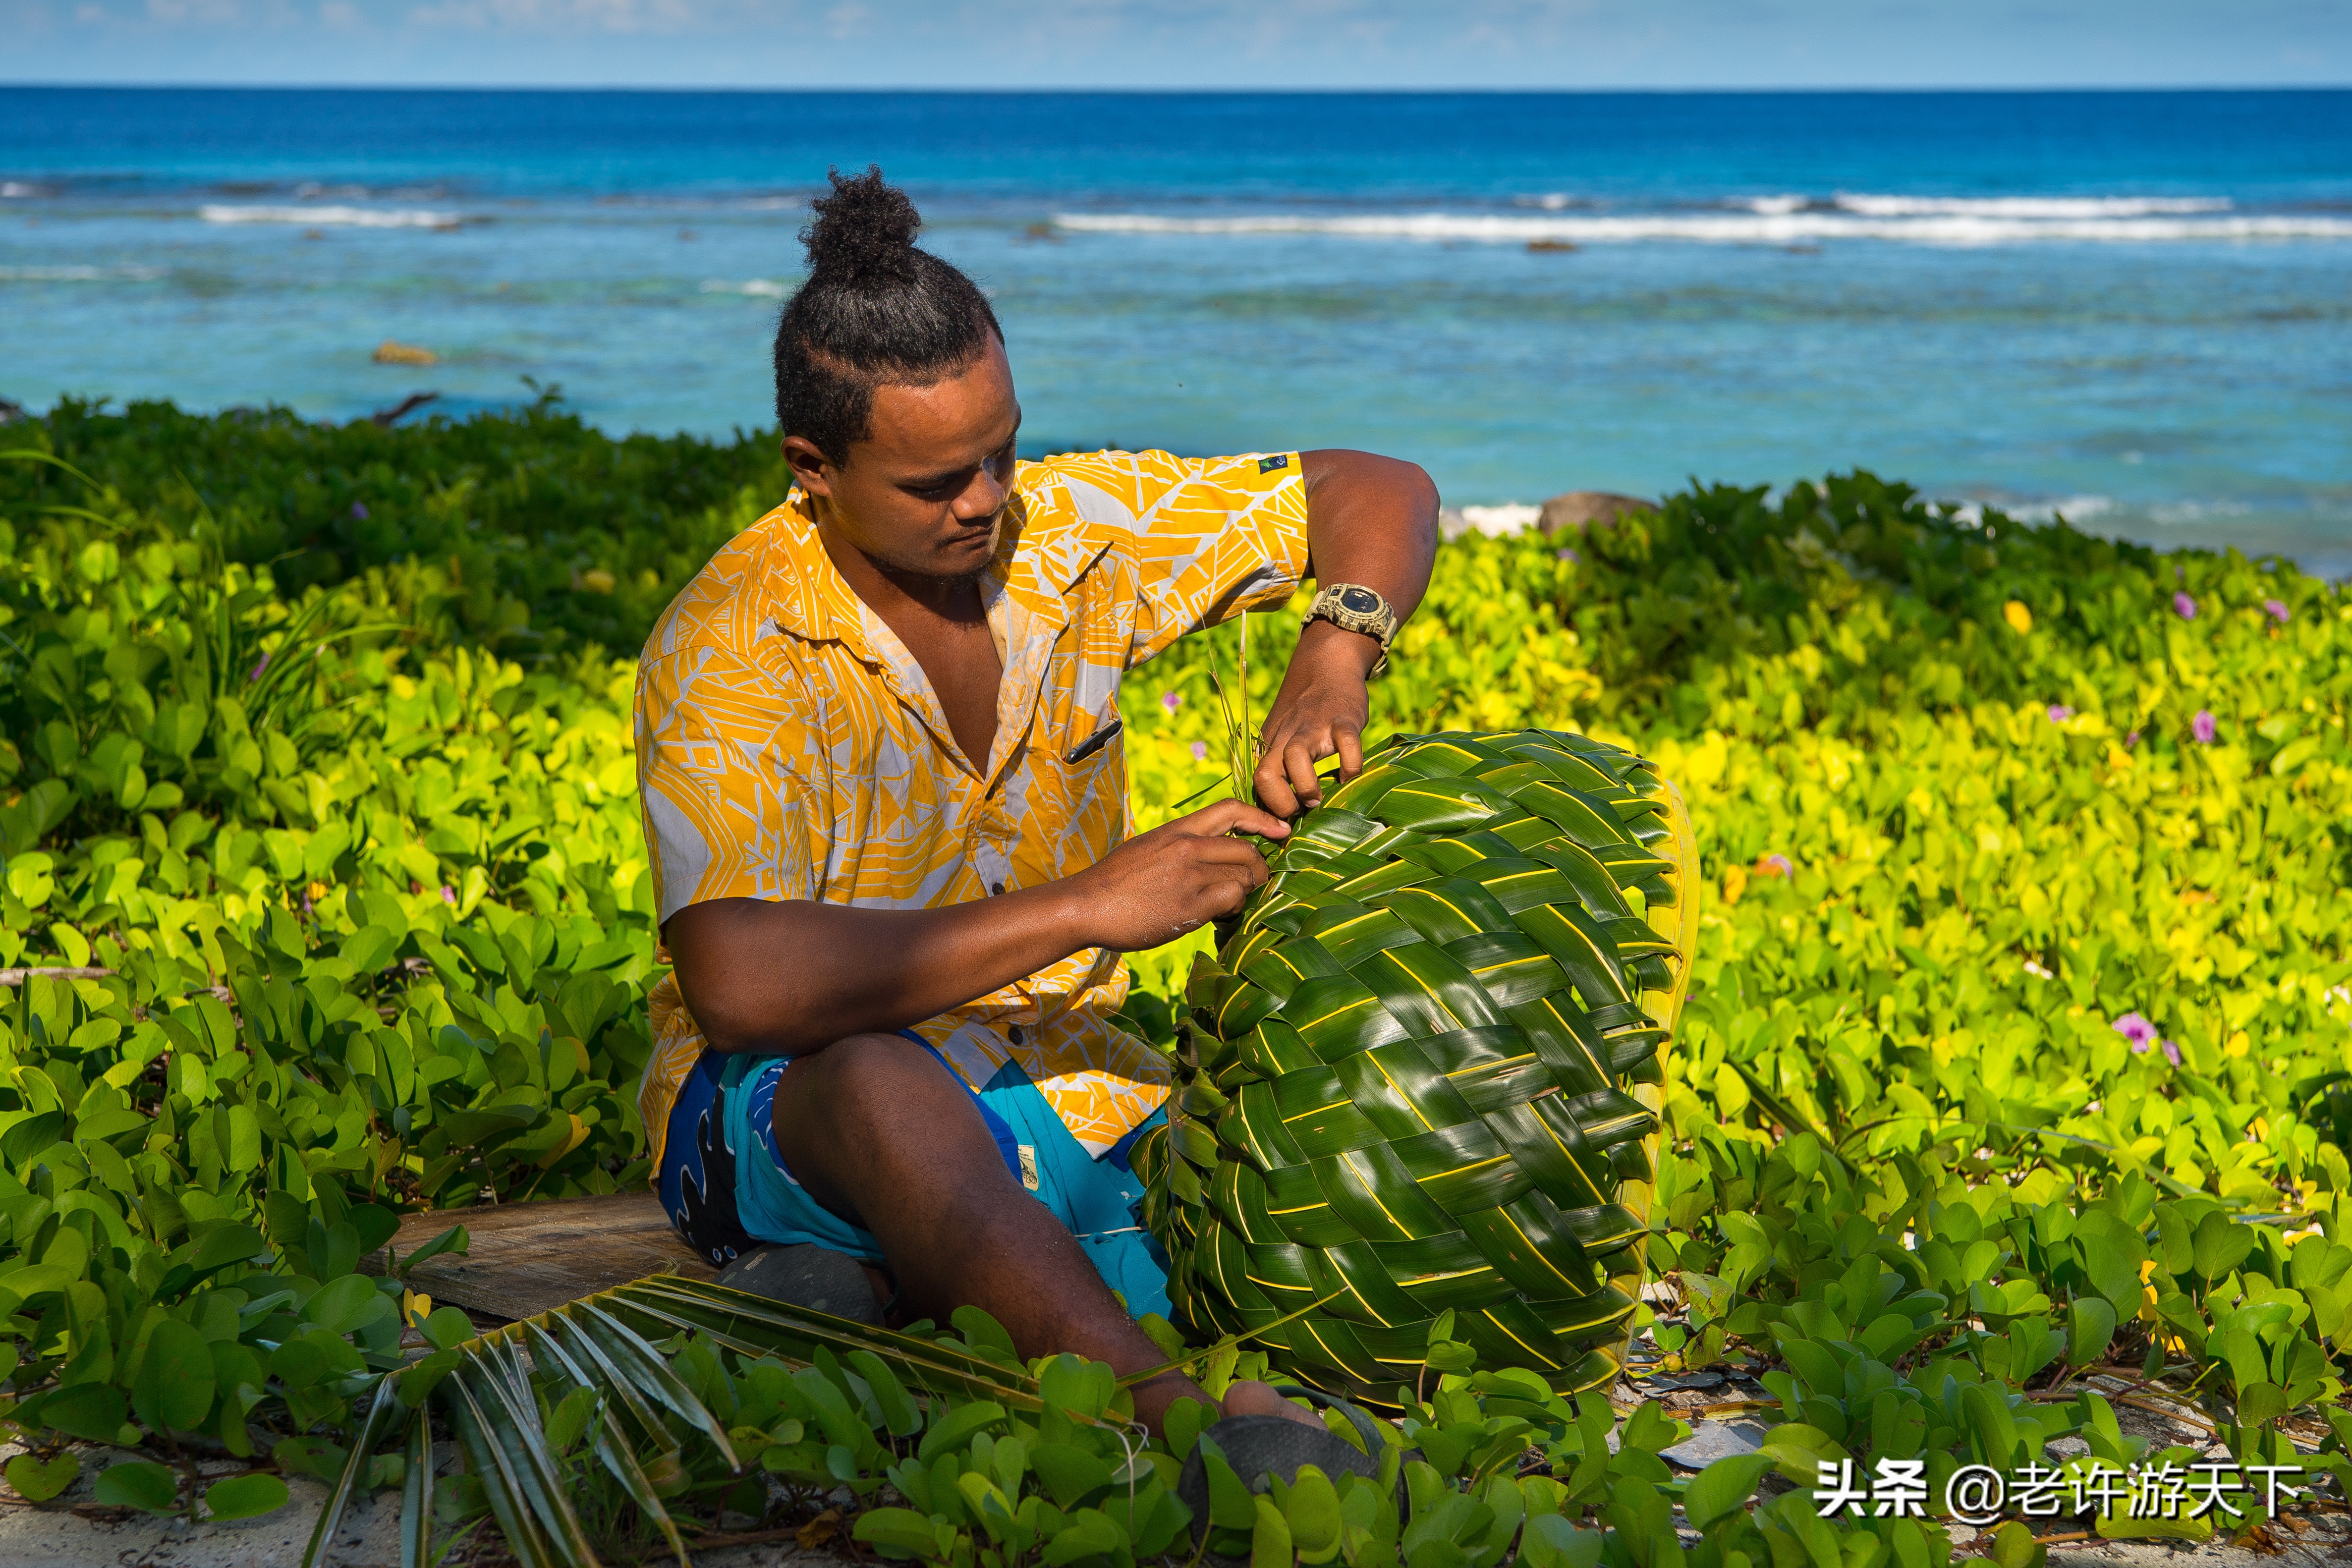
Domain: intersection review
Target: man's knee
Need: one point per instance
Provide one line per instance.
(872, 1067)
(874, 1085)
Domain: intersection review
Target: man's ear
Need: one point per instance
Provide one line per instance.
(812, 470)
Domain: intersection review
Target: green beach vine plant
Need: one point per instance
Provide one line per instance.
(2008, 1104)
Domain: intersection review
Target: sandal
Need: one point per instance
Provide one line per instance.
(1259, 1447)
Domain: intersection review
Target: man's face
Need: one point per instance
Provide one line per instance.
(924, 493)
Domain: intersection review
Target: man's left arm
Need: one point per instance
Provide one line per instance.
(1369, 520)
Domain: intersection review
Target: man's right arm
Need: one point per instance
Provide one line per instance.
(792, 976)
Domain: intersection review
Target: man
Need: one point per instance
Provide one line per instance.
(886, 802)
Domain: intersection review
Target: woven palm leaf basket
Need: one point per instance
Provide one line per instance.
(1424, 1070)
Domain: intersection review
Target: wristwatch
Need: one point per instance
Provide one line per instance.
(1352, 608)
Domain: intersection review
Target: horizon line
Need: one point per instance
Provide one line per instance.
(1163, 89)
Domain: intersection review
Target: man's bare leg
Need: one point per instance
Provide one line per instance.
(878, 1132)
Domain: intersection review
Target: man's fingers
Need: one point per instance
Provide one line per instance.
(1225, 851)
(1352, 751)
(1298, 762)
(1237, 817)
(1273, 791)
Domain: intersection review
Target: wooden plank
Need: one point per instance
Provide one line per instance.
(524, 1258)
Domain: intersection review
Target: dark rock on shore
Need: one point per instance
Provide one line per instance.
(1576, 509)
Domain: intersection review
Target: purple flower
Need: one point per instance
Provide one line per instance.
(1200, 751)
(2186, 605)
(2136, 1029)
(2172, 1053)
(2131, 739)
(1776, 865)
(1170, 702)
(257, 669)
(1568, 555)
(2276, 609)
(2202, 726)
(448, 894)
(2059, 715)
(359, 511)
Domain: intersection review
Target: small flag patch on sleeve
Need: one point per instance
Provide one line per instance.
(1267, 465)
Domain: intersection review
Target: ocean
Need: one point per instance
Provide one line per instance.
(2132, 309)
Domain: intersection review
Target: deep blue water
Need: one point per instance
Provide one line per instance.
(2133, 307)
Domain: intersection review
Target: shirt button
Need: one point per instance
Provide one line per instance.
(995, 888)
(1013, 1034)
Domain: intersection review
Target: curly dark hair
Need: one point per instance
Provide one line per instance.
(874, 310)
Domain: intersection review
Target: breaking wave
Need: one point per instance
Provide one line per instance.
(1783, 220)
(331, 216)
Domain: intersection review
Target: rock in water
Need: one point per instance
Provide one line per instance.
(1576, 507)
(390, 353)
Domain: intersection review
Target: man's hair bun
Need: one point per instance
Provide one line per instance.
(865, 230)
(874, 309)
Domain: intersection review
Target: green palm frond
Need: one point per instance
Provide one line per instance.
(494, 1391)
(1423, 1071)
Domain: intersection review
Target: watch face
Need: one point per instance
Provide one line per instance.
(1359, 600)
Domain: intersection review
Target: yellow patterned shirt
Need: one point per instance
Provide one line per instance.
(789, 747)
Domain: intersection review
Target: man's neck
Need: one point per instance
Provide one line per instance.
(943, 622)
(892, 592)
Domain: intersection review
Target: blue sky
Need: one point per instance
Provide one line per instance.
(1185, 43)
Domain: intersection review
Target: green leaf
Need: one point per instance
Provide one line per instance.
(2013, 1546)
(2220, 1246)
(245, 1497)
(342, 1305)
(174, 1387)
(90, 1411)
(446, 1327)
(1312, 1512)
(37, 1482)
(899, 1416)
(2120, 1526)
(1231, 1506)
(137, 1483)
(1072, 1476)
(1270, 1543)
(900, 1532)
(219, 1248)
(1548, 1540)
(962, 1425)
(983, 1332)
(30, 1136)
(2092, 1326)
(452, 1241)
(1724, 1487)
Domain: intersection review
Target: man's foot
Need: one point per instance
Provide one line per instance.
(1260, 1399)
(802, 1274)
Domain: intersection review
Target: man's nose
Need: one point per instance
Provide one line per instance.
(983, 497)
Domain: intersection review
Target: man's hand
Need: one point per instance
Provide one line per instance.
(1158, 885)
(1371, 521)
(1320, 712)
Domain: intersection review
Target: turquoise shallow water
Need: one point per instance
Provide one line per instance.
(2133, 307)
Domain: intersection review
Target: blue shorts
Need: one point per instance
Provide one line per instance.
(727, 1188)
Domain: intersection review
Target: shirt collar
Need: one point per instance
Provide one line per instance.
(1042, 553)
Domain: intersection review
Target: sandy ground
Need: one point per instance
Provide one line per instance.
(69, 1531)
